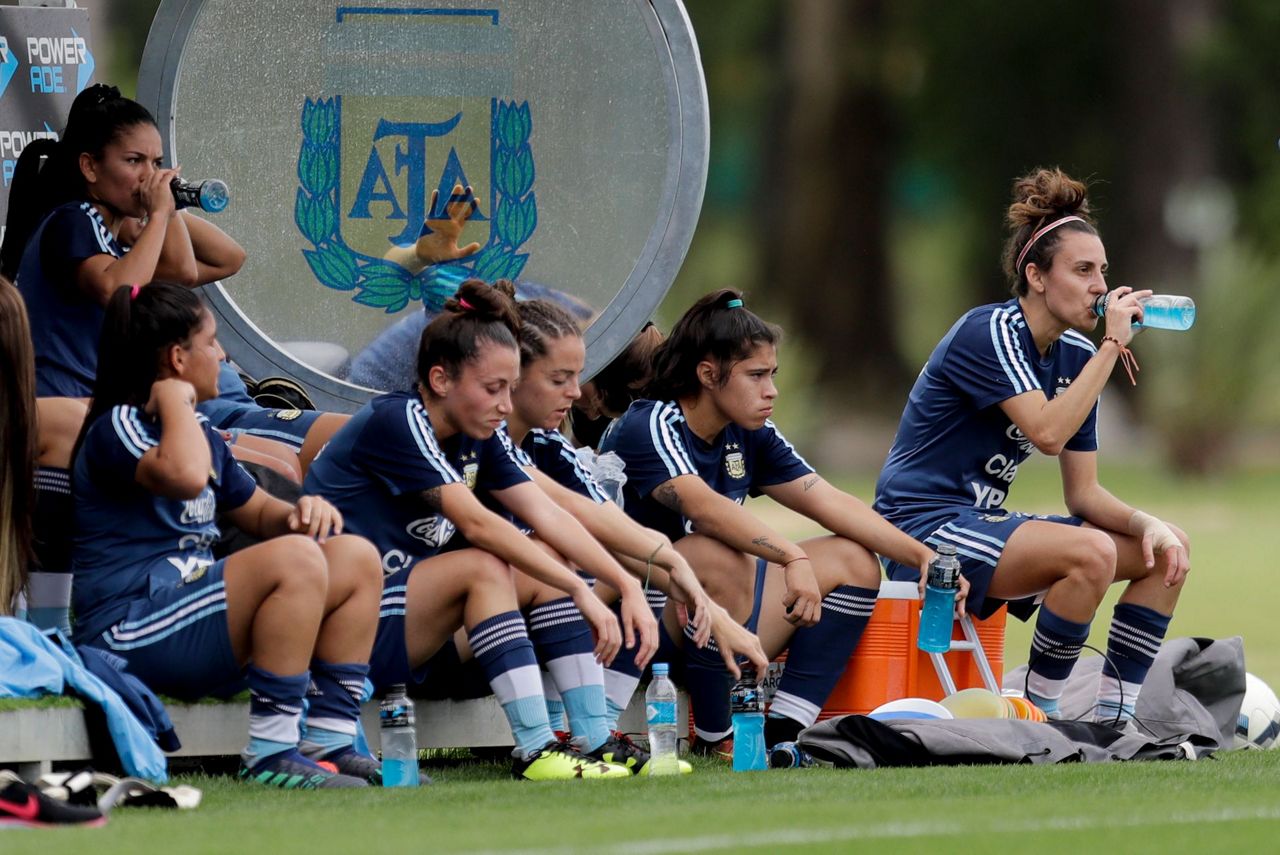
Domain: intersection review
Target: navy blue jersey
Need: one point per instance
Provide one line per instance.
(955, 446)
(376, 467)
(65, 322)
(549, 452)
(128, 541)
(656, 444)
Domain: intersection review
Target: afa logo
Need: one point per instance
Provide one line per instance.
(367, 168)
(734, 463)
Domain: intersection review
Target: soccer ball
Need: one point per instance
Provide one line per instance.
(1259, 722)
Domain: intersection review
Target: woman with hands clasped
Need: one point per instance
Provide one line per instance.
(1019, 376)
(695, 449)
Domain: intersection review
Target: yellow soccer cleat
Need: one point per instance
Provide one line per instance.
(558, 761)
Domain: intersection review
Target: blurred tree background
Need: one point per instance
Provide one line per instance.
(862, 156)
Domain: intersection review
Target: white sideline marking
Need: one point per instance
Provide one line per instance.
(798, 837)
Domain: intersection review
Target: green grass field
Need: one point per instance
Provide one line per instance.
(1208, 806)
(1226, 804)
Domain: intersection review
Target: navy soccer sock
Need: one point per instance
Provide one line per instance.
(502, 648)
(816, 658)
(1132, 644)
(333, 706)
(1055, 647)
(275, 706)
(563, 642)
(708, 682)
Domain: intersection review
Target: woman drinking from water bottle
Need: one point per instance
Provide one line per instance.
(1017, 376)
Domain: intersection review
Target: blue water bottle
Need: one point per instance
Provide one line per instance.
(1159, 311)
(399, 739)
(747, 705)
(939, 601)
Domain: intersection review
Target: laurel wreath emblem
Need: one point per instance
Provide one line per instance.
(383, 284)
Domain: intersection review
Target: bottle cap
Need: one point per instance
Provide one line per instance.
(945, 549)
(1100, 305)
(660, 669)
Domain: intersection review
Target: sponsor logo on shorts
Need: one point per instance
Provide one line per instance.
(286, 415)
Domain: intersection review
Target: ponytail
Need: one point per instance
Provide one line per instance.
(139, 327)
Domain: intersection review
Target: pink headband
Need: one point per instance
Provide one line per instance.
(133, 291)
(462, 301)
(1039, 234)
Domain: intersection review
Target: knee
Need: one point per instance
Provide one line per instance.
(302, 566)
(354, 560)
(488, 571)
(1182, 538)
(731, 583)
(1093, 565)
(853, 564)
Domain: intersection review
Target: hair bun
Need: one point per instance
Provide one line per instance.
(1047, 194)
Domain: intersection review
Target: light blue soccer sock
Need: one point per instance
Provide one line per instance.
(816, 657)
(563, 642)
(502, 649)
(275, 706)
(1055, 647)
(555, 703)
(333, 710)
(1132, 644)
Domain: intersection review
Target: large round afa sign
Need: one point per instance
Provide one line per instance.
(581, 128)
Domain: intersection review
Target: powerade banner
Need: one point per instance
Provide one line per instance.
(45, 61)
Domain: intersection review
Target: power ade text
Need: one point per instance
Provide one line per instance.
(47, 56)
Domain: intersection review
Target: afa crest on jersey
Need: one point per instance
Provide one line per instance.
(735, 464)
(469, 474)
(377, 144)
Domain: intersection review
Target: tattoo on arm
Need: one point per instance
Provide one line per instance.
(431, 498)
(763, 543)
(667, 496)
(811, 482)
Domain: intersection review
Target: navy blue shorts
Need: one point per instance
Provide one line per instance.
(979, 536)
(287, 426)
(177, 640)
(442, 676)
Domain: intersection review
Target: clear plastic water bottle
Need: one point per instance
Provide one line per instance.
(747, 705)
(939, 601)
(1159, 311)
(660, 714)
(399, 739)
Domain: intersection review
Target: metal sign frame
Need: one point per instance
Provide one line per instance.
(651, 276)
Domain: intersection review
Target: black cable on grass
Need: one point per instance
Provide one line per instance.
(1116, 721)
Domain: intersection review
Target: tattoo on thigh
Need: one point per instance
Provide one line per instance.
(763, 543)
(667, 496)
(432, 498)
